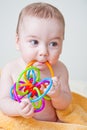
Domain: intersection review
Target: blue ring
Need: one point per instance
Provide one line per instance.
(48, 88)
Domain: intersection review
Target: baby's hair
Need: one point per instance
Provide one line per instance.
(40, 10)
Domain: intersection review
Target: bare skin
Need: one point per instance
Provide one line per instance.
(46, 46)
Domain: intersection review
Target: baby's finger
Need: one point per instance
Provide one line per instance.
(24, 103)
(27, 109)
(29, 113)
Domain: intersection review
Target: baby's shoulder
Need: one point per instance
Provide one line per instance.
(10, 66)
(12, 70)
(61, 65)
(61, 68)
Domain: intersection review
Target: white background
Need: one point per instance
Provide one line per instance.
(74, 53)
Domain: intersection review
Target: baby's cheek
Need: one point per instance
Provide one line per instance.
(54, 59)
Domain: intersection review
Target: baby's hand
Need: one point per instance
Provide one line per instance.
(55, 89)
(25, 108)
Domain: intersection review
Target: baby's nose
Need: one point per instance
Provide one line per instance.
(43, 54)
(43, 51)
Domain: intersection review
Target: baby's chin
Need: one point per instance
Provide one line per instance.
(41, 68)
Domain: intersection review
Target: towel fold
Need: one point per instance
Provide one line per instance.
(74, 118)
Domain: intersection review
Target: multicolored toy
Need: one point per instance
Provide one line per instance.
(29, 84)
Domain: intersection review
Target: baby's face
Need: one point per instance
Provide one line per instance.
(41, 40)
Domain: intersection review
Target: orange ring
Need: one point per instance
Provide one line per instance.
(50, 68)
(31, 63)
(48, 65)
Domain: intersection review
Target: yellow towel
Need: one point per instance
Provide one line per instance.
(74, 118)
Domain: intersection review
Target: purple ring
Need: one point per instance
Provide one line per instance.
(16, 97)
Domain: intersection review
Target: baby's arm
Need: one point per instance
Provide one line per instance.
(60, 93)
(8, 105)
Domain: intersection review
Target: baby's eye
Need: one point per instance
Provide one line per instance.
(34, 42)
(53, 44)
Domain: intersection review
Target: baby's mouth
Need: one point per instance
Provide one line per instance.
(41, 63)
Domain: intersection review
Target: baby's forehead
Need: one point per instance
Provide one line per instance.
(33, 21)
(41, 26)
(30, 18)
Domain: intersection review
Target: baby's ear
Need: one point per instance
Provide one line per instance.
(17, 41)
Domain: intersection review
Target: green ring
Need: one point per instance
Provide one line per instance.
(47, 97)
(17, 83)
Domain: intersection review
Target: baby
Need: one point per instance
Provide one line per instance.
(39, 36)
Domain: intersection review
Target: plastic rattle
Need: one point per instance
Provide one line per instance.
(29, 84)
